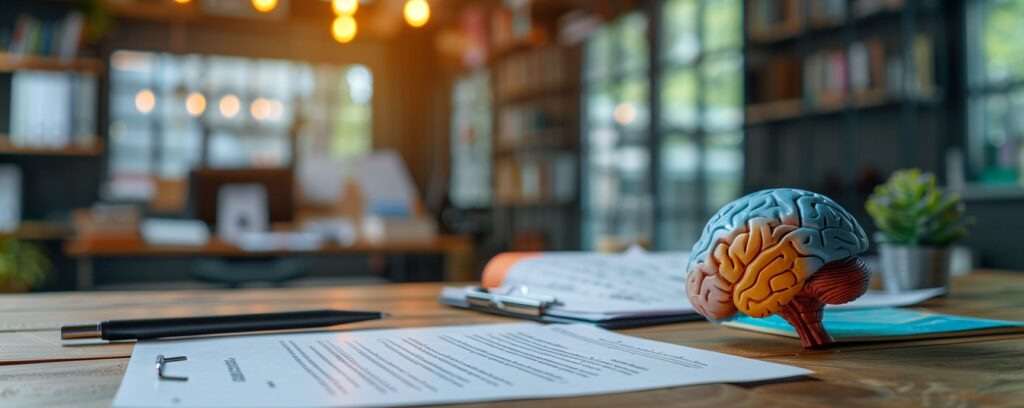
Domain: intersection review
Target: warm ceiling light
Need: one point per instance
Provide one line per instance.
(145, 100)
(264, 6)
(624, 114)
(344, 29)
(261, 109)
(416, 12)
(195, 104)
(182, 1)
(229, 106)
(345, 7)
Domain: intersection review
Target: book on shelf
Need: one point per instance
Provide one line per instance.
(544, 178)
(57, 38)
(10, 198)
(867, 68)
(825, 13)
(776, 80)
(769, 20)
(52, 109)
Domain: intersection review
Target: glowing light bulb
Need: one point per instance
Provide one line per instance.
(145, 101)
(344, 29)
(625, 113)
(182, 1)
(229, 106)
(195, 104)
(261, 109)
(417, 12)
(345, 7)
(264, 6)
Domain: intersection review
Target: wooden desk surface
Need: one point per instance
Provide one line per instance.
(35, 370)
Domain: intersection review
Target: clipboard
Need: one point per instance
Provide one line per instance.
(519, 302)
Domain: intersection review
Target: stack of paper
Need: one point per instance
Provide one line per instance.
(422, 366)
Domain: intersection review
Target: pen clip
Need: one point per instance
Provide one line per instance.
(514, 299)
(161, 363)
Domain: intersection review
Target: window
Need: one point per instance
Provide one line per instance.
(996, 91)
(697, 133)
(471, 141)
(617, 204)
(701, 121)
(172, 113)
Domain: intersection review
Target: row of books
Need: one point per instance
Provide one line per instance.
(33, 36)
(768, 20)
(540, 123)
(866, 66)
(52, 109)
(826, 77)
(539, 179)
(523, 73)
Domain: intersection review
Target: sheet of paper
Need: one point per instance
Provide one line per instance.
(607, 284)
(422, 366)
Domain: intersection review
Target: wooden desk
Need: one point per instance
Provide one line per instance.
(986, 370)
(456, 249)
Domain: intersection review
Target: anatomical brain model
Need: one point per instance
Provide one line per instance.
(783, 251)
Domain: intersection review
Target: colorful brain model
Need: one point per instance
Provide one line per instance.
(779, 251)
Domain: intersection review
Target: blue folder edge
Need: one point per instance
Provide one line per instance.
(883, 323)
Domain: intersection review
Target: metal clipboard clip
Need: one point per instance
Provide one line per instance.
(161, 363)
(514, 299)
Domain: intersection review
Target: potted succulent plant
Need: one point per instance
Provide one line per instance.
(22, 265)
(917, 221)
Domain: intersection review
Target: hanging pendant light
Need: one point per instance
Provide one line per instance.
(344, 29)
(345, 7)
(416, 12)
(264, 6)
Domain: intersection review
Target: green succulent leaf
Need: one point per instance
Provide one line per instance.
(911, 209)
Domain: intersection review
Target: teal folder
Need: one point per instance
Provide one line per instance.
(884, 323)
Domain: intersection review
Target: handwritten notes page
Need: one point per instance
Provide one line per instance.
(422, 366)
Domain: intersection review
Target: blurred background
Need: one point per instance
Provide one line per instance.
(157, 144)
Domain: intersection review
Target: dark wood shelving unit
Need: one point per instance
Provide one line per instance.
(94, 149)
(802, 132)
(17, 62)
(536, 116)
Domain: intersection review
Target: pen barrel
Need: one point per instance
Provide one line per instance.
(142, 329)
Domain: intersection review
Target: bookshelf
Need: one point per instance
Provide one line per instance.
(51, 129)
(535, 151)
(93, 149)
(839, 93)
(13, 63)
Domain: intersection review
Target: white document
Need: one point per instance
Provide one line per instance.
(422, 366)
(595, 286)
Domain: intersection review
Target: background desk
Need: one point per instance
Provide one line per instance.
(457, 251)
(987, 370)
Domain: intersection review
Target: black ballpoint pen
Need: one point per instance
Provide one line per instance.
(142, 329)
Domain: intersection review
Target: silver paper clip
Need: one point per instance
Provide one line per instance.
(161, 363)
(513, 299)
